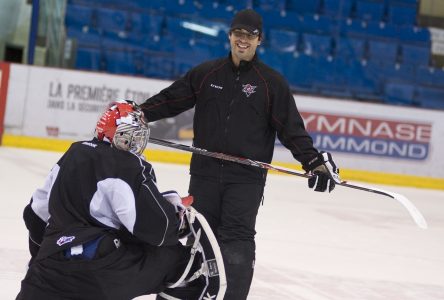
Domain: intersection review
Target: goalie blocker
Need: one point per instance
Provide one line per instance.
(204, 274)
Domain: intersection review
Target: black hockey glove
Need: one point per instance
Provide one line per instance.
(324, 172)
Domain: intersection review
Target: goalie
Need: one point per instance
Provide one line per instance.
(100, 229)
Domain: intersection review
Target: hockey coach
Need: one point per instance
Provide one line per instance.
(241, 105)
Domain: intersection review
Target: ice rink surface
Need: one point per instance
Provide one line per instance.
(348, 245)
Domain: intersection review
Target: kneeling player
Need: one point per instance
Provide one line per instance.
(100, 229)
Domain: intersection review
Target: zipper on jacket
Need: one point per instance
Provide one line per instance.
(236, 84)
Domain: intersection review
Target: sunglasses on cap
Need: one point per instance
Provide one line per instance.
(245, 35)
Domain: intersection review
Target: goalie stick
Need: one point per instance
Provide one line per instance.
(413, 211)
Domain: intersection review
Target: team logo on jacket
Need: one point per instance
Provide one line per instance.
(65, 239)
(249, 89)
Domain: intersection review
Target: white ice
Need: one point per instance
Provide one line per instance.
(348, 245)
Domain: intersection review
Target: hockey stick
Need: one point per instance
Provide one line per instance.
(413, 211)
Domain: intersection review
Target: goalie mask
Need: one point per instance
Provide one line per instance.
(123, 125)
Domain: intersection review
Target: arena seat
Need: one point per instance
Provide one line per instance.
(304, 7)
(298, 71)
(340, 9)
(88, 59)
(429, 97)
(381, 50)
(317, 24)
(119, 61)
(284, 40)
(85, 37)
(112, 19)
(350, 48)
(429, 76)
(367, 10)
(146, 24)
(414, 54)
(79, 16)
(316, 45)
(401, 14)
(399, 93)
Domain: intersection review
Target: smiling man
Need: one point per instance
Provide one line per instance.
(241, 105)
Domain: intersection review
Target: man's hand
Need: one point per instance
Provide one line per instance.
(324, 172)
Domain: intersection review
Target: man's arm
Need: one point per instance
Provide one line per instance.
(288, 123)
(291, 131)
(36, 213)
(171, 101)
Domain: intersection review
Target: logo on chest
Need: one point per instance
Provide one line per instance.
(249, 89)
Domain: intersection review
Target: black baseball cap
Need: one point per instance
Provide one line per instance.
(249, 20)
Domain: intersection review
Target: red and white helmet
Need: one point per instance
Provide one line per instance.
(123, 125)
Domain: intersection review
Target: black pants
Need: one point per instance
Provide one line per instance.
(127, 272)
(231, 210)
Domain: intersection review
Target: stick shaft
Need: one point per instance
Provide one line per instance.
(414, 212)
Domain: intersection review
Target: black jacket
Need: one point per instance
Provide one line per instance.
(94, 189)
(238, 111)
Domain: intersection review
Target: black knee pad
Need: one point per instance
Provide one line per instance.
(238, 252)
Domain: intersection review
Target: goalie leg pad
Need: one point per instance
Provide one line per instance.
(204, 274)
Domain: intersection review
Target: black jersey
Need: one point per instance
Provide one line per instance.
(96, 188)
(238, 111)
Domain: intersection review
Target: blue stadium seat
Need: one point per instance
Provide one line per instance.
(88, 59)
(189, 53)
(115, 40)
(112, 19)
(329, 78)
(146, 24)
(316, 45)
(402, 14)
(283, 40)
(304, 7)
(401, 71)
(426, 75)
(410, 2)
(79, 16)
(119, 62)
(368, 10)
(383, 71)
(414, 54)
(283, 20)
(159, 65)
(380, 50)
(145, 5)
(85, 37)
(318, 24)
(430, 97)
(236, 5)
(412, 34)
(185, 8)
(370, 29)
(351, 48)
(272, 58)
(340, 9)
(267, 5)
(362, 82)
(298, 71)
(399, 93)
(216, 11)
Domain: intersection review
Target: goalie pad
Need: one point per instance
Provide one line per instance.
(205, 269)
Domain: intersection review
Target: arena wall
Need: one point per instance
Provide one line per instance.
(48, 108)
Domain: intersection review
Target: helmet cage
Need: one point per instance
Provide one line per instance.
(124, 126)
(129, 137)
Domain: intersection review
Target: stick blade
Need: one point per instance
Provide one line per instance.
(408, 205)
